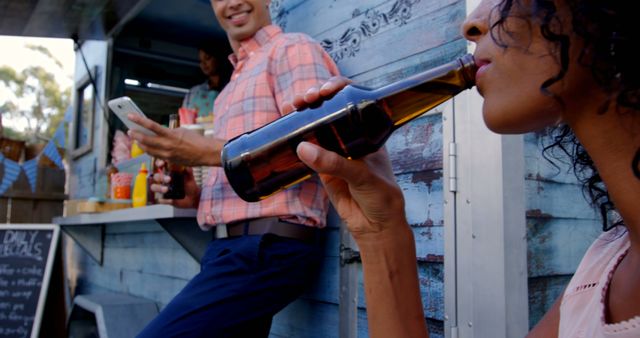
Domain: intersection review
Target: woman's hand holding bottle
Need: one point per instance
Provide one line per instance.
(370, 202)
(363, 191)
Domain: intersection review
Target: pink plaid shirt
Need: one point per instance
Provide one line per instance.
(270, 68)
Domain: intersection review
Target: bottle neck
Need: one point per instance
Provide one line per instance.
(174, 122)
(406, 99)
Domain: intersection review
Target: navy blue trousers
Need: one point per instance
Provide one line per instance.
(243, 282)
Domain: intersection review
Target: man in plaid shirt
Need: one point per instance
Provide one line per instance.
(263, 254)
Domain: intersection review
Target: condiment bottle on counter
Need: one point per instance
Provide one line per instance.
(110, 170)
(176, 186)
(151, 196)
(139, 196)
(136, 150)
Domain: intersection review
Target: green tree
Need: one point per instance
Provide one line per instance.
(47, 102)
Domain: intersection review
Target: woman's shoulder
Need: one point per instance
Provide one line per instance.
(606, 248)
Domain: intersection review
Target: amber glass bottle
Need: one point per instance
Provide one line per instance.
(151, 195)
(176, 186)
(355, 122)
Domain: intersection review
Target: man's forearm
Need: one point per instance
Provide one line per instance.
(210, 153)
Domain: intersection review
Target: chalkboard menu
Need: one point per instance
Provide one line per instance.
(26, 258)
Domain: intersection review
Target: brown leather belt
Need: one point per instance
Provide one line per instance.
(269, 225)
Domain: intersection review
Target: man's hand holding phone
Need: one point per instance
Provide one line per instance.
(180, 146)
(123, 107)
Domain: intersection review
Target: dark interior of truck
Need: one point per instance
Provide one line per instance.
(154, 57)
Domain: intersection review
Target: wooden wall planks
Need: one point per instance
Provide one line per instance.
(560, 224)
(375, 43)
(556, 246)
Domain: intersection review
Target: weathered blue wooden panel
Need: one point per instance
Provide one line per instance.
(326, 287)
(560, 224)
(556, 246)
(137, 283)
(141, 252)
(83, 177)
(381, 76)
(543, 292)
(369, 39)
(417, 146)
(155, 268)
(436, 328)
(154, 254)
(423, 197)
(310, 319)
(375, 42)
(429, 244)
(557, 200)
(158, 288)
(431, 276)
(540, 168)
(83, 169)
(369, 17)
(305, 319)
(134, 227)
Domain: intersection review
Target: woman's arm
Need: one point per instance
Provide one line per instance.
(394, 306)
(549, 325)
(369, 201)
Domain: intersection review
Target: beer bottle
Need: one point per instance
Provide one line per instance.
(176, 186)
(355, 122)
(151, 198)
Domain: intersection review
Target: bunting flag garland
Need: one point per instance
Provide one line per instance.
(31, 169)
(68, 114)
(12, 169)
(11, 172)
(59, 136)
(51, 151)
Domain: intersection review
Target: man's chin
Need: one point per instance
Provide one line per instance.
(242, 33)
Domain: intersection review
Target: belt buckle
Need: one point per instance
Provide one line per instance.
(221, 231)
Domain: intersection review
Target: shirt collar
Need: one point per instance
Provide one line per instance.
(261, 38)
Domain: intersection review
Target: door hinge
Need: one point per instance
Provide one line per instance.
(454, 332)
(453, 167)
(348, 255)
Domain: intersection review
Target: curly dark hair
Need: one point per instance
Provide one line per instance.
(608, 29)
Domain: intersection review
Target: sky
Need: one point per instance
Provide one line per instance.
(14, 53)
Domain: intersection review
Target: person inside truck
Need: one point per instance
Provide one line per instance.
(264, 254)
(566, 65)
(201, 97)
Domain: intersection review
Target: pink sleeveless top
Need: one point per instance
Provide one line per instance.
(582, 311)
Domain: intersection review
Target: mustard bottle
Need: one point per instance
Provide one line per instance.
(136, 150)
(139, 196)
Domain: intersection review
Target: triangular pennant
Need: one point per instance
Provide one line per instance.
(68, 114)
(31, 169)
(52, 153)
(59, 136)
(11, 172)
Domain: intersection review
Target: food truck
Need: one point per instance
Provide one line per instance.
(491, 218)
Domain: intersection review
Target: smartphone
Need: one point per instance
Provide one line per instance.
(123, 106)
